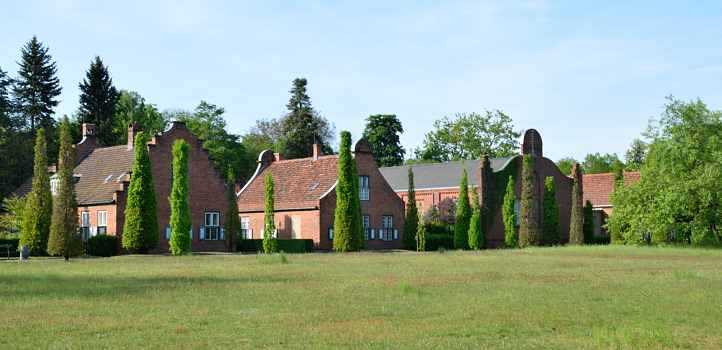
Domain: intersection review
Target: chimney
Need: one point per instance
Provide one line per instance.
(316, 151)
(278, 156)
(133, 130)
(88, 130)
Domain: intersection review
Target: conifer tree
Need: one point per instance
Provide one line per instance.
(35, 226)
(615, 233)
(476, 236)
(411, 222)
(65, 237)
(509, 215)
(551, 231)
(421, 237)
(347, 226)
(576, 234)
(270, 244)
(302, 126)
(180, 214)
(140, 232)
(529, 223)
(232, 224)
(98, 97)
(463, 214)
(588, 225)
(37, 86)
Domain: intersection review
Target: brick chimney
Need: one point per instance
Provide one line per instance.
(88, 130)
(133, 130)
(87, 144)
(316, 151)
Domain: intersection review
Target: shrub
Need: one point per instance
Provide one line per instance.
(439, 242)
(284, 245)
(102, 245)
(14, 244)
(588, 226)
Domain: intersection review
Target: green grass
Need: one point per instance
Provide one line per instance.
(585, 297)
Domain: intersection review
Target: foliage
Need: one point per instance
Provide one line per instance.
(635, 155)
(13, 246)
(64, 239)
(511, 236)
(443, 214)
(265, 134)
(382, 132)
(303, 126)
(140, 231)
(98, 97)
(463, 214)
(420, 237)
(284, 245)
(551, 232)
(35, 227)
(588, 225)
(469, 136)
(565, 165)
(436, 242)
(347, 226)
(180, 214)
(677, 198)
(37, 86)
(102, 245)
(476, 236)
(617, 227)
(411, 222)
(270, 243)
(595, 163)
(576, 234)
(529, 223)
(132, 108)
(11, 216)
(232, 223)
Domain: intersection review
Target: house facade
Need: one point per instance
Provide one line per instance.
(305, 199)
(598, 190)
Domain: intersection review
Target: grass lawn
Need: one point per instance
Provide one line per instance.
(581, 297)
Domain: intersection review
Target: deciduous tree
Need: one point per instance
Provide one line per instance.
(636, 154)
(132, 108)
(382, 132)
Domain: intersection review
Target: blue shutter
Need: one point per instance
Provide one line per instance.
(202, 230)
(373, 234)
(223, 233)
(167, 233)
(191, 233)
(396, 234)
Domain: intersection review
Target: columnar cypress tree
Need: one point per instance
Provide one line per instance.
(588, 225)
(421, 237)
(576, 235)
(64, 237)
(36, 219)
(97, 101)
(463, 214)
(476, 236)
(37, 85)
(140, 232)
(509, 215)
(551, 232)
(529, 225)
(270, 245)
(412, 215)
(180, 214)
(232, 224)
(615, 234)
(347, 226)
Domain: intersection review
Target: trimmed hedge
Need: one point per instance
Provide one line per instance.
(13, 242)
(434, 241)
(102, 245)
(284, 245)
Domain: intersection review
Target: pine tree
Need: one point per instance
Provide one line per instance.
(37, 86)
(65, 237)
(551, 230)
(232, 224)
(509, 215)
(347, 227)
(302, 126)
(382, 132)
(588, 225)
(411, 222)
(421, 237)
(270, 244)
(140, 232)
(463, 214)
(180, 213)
(39, 206)
(529, 223)
(476, 236)
(97, 102)
(576, 235)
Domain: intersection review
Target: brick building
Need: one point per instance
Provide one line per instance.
(598, 190)
(436, 182)
(103, 175)
(305, 199)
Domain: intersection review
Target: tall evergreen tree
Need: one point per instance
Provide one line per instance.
(411, 222)
(5, 103)
(529, 223)
(551, 231)
(39, 206)
(180, 213)
(302, 126)
(616, 227)
(270, 244)
(382, 132)
(588, 225)
(98, 97)
(511, 238)
(421, 237)
(140, 232)
(64, 234)
(347, 227)
(37, 86)
(232, 224)
(476, 236)
(463, 214)
(576, 234)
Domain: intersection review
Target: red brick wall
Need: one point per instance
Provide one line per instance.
(112, 227)
(309, 222)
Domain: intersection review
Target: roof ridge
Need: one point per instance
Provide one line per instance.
(306, 158)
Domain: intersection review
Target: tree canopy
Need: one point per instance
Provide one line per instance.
(37, 86)
(382, 131)
(596, 163)
(302, 126)
(131, 107)
(97, 100)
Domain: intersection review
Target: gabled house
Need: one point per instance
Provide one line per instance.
(305, 199)
(598, 190)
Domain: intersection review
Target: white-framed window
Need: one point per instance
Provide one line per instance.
(85, 224)
(102, 222)
(54, 185)
(212, 225)
(387, 232)
(364, 187)
(517, 211)
(367, 227)
(246, 231)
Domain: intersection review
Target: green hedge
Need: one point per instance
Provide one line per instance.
(13, 242)
(434, 241)
(102, 245)
(284, 245)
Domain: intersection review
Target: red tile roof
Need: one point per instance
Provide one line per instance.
(598, 187)
(299, 184)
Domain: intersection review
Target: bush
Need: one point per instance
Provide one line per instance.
(284, 245)
(439, 242)
(102, 245)
(14, 243)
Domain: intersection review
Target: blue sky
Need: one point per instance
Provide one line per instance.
(587, 75)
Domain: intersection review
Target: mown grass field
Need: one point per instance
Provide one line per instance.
(585, 297)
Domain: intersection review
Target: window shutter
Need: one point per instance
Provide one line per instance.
(373, 236)
(202, 231)
(223, 233)
(191, 233)
(396, 234)
(167, 233)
